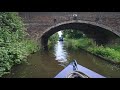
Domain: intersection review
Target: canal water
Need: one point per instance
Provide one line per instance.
(48, 64)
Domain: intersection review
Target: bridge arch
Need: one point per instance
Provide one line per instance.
(91, 29)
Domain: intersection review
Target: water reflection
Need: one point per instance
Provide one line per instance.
(109, 70)
(49, 64)
(60, 53)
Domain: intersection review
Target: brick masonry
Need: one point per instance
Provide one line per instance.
(38, 23)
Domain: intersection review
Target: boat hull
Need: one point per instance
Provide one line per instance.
(69, 69)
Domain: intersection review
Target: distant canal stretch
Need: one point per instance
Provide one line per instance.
(48, 64)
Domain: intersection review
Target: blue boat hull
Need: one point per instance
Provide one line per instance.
(69, 69)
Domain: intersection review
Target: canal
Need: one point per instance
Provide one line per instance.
(48, 64)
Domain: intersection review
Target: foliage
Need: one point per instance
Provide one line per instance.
(79, 43)
(73, 34)
(14, 47)
(52, 40)
(116, 47)
(76, 40)
(54, 37)
(106, 52)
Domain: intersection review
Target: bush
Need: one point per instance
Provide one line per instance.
(111, 53)
(75, 44)
(106, 52)
(52, 40)
(14, 47)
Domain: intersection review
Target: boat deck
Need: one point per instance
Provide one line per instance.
(69, 68)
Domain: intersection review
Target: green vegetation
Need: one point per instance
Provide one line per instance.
(116, 47)
(76, 39)
(52, 40)
(106, 52)
(111, 52)
(73, 34)
(14, 46)
(76, 44)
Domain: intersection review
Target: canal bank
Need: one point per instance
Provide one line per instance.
(103, 58)
(105, 52)
(49, 63)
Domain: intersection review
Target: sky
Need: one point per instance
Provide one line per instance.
(60, 33)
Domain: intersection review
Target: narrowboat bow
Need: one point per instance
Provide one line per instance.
(74, 70)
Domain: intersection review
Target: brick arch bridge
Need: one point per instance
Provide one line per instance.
(102, 26)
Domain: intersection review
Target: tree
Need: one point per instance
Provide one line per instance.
(70, 33)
